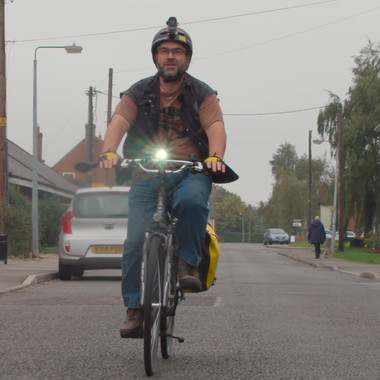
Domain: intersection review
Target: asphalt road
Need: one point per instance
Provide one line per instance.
(267, 317)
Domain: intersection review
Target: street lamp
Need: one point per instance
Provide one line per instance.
(309, 186)
(71, 49)
(333, 226)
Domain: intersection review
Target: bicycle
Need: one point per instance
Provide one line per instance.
(160, 293)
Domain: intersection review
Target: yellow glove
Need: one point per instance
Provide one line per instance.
(213, 159)
(108, 156)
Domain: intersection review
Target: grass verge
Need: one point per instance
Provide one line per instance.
(49, 250)
(356, 254)
(360, 255)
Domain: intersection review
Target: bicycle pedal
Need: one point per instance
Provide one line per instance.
(184, 290)
(180, 339)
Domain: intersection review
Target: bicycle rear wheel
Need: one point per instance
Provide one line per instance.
(167, 319)
(152, 302)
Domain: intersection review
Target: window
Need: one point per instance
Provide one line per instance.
(68, 175)
(101, 205)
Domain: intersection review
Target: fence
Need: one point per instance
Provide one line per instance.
(237, 237)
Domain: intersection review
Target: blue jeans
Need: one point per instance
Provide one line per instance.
(189, 194)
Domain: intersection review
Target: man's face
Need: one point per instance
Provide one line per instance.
(171, 60)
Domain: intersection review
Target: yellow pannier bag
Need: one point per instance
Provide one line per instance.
(210, 258)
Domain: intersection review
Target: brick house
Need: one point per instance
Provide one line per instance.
(83, 152)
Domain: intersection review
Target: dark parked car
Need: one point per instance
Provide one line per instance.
(276, 236)
(93, 231)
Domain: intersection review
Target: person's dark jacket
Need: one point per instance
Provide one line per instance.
(146, 95)
(317, 233)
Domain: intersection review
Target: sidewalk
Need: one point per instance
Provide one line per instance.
(306, 256)
(20, 273)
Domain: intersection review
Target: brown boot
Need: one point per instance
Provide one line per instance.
(188, 277)
(133, 326)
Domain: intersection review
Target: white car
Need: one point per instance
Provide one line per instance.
(93, 231)
(329, 234)
(350, 235)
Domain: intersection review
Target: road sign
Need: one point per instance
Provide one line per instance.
(297, 223)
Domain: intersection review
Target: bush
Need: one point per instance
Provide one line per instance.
(236, 237)
(17, 222)
(50, 211)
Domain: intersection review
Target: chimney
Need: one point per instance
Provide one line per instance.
(39, 144)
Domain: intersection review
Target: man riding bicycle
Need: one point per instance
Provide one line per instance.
(177, 112)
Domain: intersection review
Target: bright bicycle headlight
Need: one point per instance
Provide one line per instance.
(161, 154)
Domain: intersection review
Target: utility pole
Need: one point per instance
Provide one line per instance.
(3, 115)
(109, 106)
(340, 185)
(90, 129)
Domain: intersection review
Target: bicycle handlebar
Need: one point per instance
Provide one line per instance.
(217, 177)
(191, 165)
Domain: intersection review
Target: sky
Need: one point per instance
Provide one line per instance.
(273, 64)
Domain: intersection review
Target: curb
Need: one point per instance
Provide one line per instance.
(372, 276)
(32, 280)
(368, 275)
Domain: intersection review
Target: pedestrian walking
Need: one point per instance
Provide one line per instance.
(317, 235)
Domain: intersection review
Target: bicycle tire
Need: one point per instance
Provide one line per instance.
(152, 303)
(168, 316)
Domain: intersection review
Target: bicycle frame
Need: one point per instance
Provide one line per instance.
(159, 293)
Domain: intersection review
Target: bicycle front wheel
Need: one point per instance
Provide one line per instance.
(152, 302)
(171, 298)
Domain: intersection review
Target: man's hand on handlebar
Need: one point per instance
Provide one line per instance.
(216, 164)
(108, 160)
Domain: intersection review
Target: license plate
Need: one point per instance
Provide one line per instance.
(107, 249)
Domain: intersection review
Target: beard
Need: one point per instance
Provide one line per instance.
(172, 75)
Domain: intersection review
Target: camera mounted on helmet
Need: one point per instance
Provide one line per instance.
(172, 24)
(172, 33)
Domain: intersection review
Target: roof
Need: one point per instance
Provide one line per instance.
(21, 171)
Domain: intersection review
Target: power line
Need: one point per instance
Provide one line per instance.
(106, 93)
(184, 23)
(355, 101)
(273, 113)
(289, 35)
(259, 12)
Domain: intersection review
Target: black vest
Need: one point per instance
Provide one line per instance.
(146, 95)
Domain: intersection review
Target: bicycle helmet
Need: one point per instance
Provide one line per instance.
(172, 33)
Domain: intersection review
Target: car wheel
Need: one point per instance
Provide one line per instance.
(78, 271)
(65, 272)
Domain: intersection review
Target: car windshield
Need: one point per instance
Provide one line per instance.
(101, 205)
(277, 231)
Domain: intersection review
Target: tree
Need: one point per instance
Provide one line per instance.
(290, 199)
(284, 161)
(290, 190)
(229, 207)
(361, 114)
